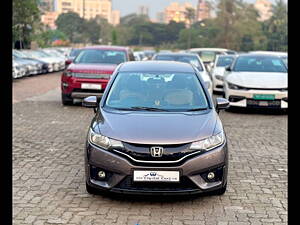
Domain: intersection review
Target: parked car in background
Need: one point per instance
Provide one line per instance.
(91, 70)
(40, 66)
(73, 53)
(257, 80)
(54, 53)
(218, 70)
(193, 59)
(156, 131)
(18, 70)
(55, 64)
(149, 54)
(139, 55)
(283, 55)
(208, 55)
(31, 68)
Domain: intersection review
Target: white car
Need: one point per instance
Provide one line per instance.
(208, 55)
(257, 80)
(190, 58)
(282, 55)
(218, 71)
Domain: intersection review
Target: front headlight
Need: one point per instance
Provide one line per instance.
(209, 143)
(219, 77)
(236, 87)
(103, 142)
(68, 73)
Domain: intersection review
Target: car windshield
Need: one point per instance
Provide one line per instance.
(260, 64)
(157, 91)
(101, 56)
(181, 58)
(207, 56)
(36, 54)
(19, 54)
(224, 61)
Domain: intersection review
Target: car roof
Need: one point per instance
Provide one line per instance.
(177, 54)
(107, 47)
(209, 49)
(270, 53)
(156, 66)
(258, 55)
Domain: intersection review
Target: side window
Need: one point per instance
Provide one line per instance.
(131, 56)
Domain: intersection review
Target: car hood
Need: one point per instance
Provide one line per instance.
(258, 79)
(219, 71)
(156, 128)
(93, 67)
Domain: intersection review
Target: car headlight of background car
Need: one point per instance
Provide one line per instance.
(103, 142)
(209, 143)
(236, 87)
(219, 77)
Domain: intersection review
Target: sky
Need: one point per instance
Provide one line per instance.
(131, 6)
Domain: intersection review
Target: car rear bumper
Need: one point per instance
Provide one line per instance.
(120, 173)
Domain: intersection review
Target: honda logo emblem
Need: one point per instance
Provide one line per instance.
(156, 151)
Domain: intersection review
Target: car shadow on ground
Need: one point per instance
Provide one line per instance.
(262, 111)
(153, 198)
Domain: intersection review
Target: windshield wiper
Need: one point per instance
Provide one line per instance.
(196, 109)
(148, 108)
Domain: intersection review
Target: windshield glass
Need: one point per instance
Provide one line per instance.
(164, 91)
(181, 58)
(260, 64)
(207, 56)
(101, 56)
(224, 61)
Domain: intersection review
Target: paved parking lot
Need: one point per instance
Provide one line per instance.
(48, 171)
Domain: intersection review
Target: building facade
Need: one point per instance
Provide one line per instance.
(264, 7)
(48, 19)
(143, 10)
(89, 9)
(203, 10)
(177, 12)
(46, 5)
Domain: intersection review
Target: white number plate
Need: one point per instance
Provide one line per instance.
(91, 86)
(152, 176)
(263, 103)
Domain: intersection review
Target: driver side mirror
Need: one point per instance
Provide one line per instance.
(90, 102)
(69, 61)
(221, 104)
(228, 68)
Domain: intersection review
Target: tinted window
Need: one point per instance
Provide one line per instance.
(187, 59)
(224, 61)
(166, 91)
(101, 56)
(259, 64)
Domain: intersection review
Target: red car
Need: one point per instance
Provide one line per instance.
(89, 73)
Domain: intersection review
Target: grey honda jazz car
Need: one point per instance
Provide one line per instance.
(156, 130)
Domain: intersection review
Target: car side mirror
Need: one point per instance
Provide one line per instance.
(90, 102)
(69, 61)
(221, 104)
(228, 68)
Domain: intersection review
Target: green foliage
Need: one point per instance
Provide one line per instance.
(25, 20)
(46, 38)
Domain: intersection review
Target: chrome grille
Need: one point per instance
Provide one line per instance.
(91, 75)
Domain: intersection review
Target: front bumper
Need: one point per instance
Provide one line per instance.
(217, 85)
(120, 170)
(242, 98)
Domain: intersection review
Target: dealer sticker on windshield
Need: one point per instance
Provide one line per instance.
(263, 97)
(158, 176)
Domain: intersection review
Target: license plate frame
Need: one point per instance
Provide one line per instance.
(152, 176)
(91, 86)
(263, 96)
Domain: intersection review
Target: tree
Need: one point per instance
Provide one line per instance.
(91, 31)
(46, 38)
(72, 25)
(190, 17)
(276, 28)
(26, 17)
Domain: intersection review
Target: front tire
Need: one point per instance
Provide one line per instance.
(66, 100)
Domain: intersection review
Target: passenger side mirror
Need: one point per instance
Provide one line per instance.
(90, 102)
(69, 61)
(228, 68)
(221, 103)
